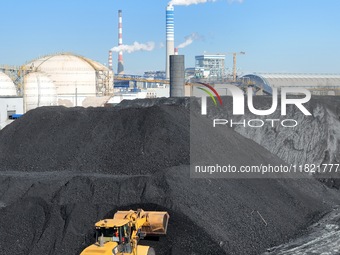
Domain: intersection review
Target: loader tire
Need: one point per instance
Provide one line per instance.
(151, 251)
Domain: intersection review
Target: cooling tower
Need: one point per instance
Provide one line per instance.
(170, 37)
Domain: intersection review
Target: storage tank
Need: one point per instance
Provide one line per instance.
(7, 87)
(75, 77)
(39, 90)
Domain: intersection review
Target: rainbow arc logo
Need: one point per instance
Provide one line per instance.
(211, 94)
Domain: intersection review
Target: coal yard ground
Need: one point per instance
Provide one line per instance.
(63, 169)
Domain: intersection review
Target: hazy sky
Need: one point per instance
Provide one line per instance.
(296, 36)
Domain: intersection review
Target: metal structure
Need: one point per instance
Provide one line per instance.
(155, 74)
(210, 66)
(120, 69)
(170, 37)
(235, 62)
(318, 84)
(177, 76)
(137, 78)
(16, 75)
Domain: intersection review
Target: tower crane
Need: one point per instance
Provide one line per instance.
(234, 63)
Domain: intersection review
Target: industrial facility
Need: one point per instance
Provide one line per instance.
(59, 79)
(118, 151)
(70, 80)
(77, 79)
(210, 66)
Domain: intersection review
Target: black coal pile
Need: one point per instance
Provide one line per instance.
(63, 169)
(314, 141)
(322, 237)
(105, 140)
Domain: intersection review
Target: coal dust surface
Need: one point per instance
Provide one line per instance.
(63, 169)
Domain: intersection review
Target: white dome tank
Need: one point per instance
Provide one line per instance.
(75, 77)
(39, 90)
(7, 87)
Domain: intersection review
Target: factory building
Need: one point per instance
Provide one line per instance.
(210, 66)
(155, 74)
(10, 103)
(318, 84)
(77, 81)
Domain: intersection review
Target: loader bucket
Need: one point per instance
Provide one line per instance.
(157, 223)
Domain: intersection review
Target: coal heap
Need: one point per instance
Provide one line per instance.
(315, 140)
(106, 140)
(63, 169)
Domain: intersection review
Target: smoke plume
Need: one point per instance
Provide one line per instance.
(237, 1)
(190, 2)
(189, 40)
(136, 46)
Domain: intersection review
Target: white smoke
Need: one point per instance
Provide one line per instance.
(189, 39)
(136, 46)
(190, 2)
(237, 1)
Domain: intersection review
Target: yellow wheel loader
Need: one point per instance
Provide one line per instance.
(120, 235)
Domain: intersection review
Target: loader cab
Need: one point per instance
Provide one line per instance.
(113, 230)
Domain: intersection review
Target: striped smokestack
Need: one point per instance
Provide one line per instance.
(170, 37)
(110, 60)
(120, 69)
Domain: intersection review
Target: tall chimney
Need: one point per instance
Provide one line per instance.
(110, 60)
(120, 69)
(170, 37)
